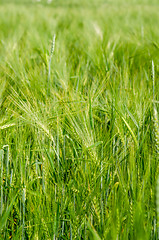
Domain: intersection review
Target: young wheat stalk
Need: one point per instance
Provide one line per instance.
(156, 128)
(155, 113)
(156, 135)
(23, 204)
(49, 70)
(2, 157)
(153, 79)
(157, 201)
(6, 162)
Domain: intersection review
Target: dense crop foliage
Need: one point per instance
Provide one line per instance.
(79, 131)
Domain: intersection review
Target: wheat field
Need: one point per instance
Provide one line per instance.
(79, 130)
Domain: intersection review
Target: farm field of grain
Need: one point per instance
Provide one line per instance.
(79, 129)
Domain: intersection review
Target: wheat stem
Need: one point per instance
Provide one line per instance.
(49, 70)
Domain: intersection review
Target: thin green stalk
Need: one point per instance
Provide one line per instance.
(23, 207)
(49, 70)
(153, 79)
(1, 158)
(6, 161)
